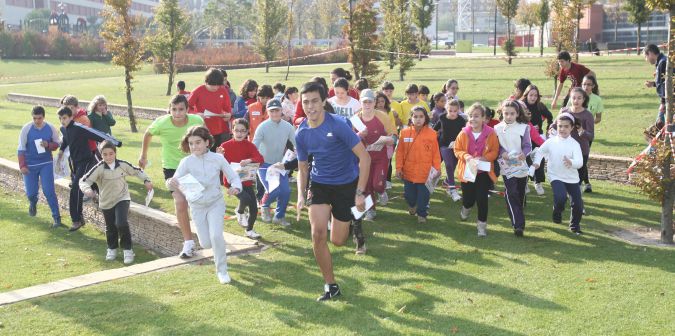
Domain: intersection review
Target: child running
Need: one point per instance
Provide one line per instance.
(514, 145)
(416, 154)
(583, 134)
(476, 148)
(412, 94)
(448, 127)
(563, 157)
(536, 112)
(246, 98)
(109, 174)
(211, 101)
(208, 207)
(343, 104)
(239, 149)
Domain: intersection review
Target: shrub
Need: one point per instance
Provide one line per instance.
(60, 47)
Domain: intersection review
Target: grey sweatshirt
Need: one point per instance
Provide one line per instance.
(206, 169)
(271, 138)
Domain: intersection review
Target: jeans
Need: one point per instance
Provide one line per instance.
(417, 195)
(45, 174)
(117, 226)
(560, 192)
(281, 194)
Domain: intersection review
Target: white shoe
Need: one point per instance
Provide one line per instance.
(188, 249)
(292, 179)
(129, 257)
(527, 189)
(383, 198)
(464, 213)
(482, 228)
(370, 215)
(242, 219)
(111, 255)
(224, 278)
(330, 225)
(454, 194)
(252, 234)
(387, 185)
(281, 221)
(539, 188)
(266, 214)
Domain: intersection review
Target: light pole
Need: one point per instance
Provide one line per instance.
(437, 3)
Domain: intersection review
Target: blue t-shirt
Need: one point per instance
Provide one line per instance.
(331, 145)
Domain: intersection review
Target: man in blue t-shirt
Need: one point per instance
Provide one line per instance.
(338, 178)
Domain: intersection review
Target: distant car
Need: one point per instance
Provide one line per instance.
(449, 43)
(479, 45)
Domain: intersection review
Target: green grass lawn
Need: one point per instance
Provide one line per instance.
(432, 279)
(32, 253)
(629, 106)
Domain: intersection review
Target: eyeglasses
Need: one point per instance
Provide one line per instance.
(240, 131)
(587, 84)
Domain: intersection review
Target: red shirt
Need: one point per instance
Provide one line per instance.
(575, 73)
(300, 112)
(351, 92)
(236, 151)
(217, 102)
(492, 123)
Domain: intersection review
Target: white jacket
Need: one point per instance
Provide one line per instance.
(206, 169)
(554, 149)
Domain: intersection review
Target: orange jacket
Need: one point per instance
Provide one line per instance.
(417, 153)
(490, 153)
(256, 116)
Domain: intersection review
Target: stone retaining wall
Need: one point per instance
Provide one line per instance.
(608, 168)
(151, 228)
(117, 110)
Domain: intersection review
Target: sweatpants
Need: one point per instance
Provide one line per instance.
(417, 196)
(560, 192)
(515, 200)
(450, 161)
(247, 199)
(583, 171)
(281, 194)
(45, 175)
(209, 222)
(79, 168)
(117, 226)
(477, 193)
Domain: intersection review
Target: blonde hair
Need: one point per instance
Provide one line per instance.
(100, 99)
(476, 106)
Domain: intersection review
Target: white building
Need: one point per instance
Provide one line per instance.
(14, 11)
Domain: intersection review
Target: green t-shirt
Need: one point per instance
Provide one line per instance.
(594, 104)
(170, 137)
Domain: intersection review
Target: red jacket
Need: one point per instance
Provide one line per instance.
(217, 102)
(236, 151)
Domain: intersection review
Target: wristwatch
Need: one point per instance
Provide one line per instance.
(359, 192)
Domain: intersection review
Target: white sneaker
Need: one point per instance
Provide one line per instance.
(242, 219)
(129, 257)
(383, 199)
(482, 228)
(188, 249)
(266, 214)
(330, 225)
(111, 255)
(370, 215)
(281, 221)
(387, 185)
(454, 194)
(527, 189)
(224, 278)
(464, 213)
(539, 188)
(252, 234)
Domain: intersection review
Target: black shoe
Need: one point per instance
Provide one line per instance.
(57, 223)
(588, 188)
(557, 218)
(518, 232)
(330, 292)
(32, 209)
(576, 231)
(76, 226)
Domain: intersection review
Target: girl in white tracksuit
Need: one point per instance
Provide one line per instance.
(208, 206)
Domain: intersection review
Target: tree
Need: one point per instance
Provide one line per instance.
(119, 31)
(172, 28)
(271, 17)
(562, 27)
(422, 11)
(508, 9)
(290, 34)
(361, 31)
(527, 16)
(668, 197)
(578, 7)
(638, 13)
(232, 16)
(542, 18)
(328, 11)
(614, 10)
(398, 35)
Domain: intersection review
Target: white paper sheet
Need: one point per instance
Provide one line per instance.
(148, 198)
(190, 187)
(38, 145)
(531, 171)
(209, 114)
(61, 168)
(289, 156)
(357, 123)
(484, 166)
(470, 173)
(432, 180)
(369, 204)
(272, 176)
